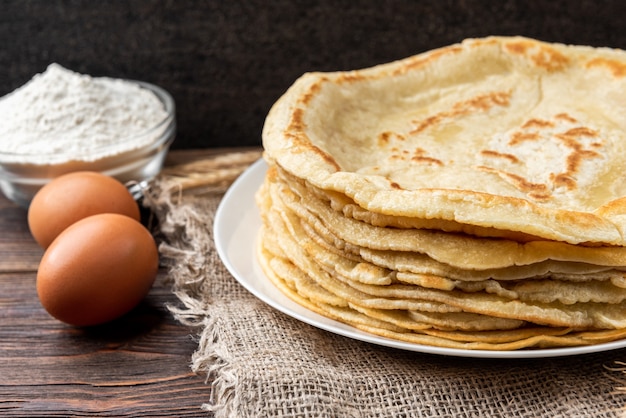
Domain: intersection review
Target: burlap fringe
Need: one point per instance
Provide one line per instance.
(185, 240)
(183, 248)
(620, 379)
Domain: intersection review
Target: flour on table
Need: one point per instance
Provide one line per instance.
(61, 116)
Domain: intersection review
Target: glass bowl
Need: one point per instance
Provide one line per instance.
(21, 178)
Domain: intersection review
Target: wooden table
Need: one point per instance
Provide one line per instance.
(135, 366)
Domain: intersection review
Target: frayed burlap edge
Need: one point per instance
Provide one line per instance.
(184, 231)
(184, 212)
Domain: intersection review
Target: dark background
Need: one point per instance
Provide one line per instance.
(226, 62)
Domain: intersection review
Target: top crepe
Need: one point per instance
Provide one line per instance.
(504, 134)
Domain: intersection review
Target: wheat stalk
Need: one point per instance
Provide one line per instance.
(209, 174)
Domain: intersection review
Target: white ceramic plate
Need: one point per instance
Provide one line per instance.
(237, 223)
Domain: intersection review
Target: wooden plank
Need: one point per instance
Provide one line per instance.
(136, 366)
(18, 249)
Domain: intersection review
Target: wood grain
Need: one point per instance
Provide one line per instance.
(135, 366)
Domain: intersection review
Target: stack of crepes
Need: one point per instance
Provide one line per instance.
(468, 197)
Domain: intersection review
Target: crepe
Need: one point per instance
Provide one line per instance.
(503, 134)
(456, 250)
(420, 327)
(468, 197)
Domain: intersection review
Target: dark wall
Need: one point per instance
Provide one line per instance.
(226, 62)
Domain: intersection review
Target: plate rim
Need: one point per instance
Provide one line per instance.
(231, 206)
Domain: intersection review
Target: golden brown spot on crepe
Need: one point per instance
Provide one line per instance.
(550, 59)
(296, 123)
(350, 77)
(541, 55)
(618, 69)
(387, 137)
(574, 155)
(519, 47)
(421, 61)
(303, 145)
(480, 103)
(427, 160)
(580, 131)
(565, 117)
(575, 159)
(489, 100)
(384, 138)
(578, 153)
(419, 156)
(395, 185)
(537, 123)
(490, 153)
(537, 191)
(423, 125)
(484, 41)
(483, 102)
(295, 132)
(539, 196)
(314, 89)
(519, 137)
(564, 180)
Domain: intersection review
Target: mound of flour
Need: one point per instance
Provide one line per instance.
(61, 116)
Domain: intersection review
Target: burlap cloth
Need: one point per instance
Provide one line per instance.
(259, 362)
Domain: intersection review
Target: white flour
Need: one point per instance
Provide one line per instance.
(61, 116)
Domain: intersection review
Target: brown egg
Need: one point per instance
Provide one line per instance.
(97, 269)
(74, 196)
